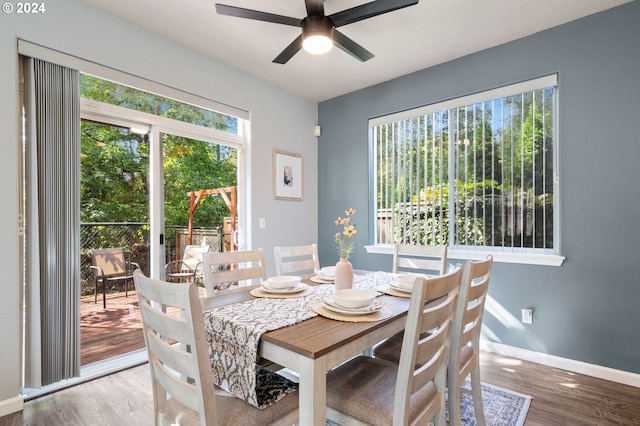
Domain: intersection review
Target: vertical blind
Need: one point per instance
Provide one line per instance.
(52, 110)
(472, 173)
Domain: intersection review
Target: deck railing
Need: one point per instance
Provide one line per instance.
(134, 238)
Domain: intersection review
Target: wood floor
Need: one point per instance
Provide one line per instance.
(559, 398)
(111, 331)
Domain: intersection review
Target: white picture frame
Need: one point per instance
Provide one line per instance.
(287, 175)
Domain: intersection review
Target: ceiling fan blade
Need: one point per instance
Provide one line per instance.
(314, 7)
(368, 10)
(289, 51)
(240, 12)
(351, 47)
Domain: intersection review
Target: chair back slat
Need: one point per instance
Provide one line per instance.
(411, 258)
(239, 267)
(296, 260)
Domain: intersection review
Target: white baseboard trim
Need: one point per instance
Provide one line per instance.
(593, 370)
(11, 405)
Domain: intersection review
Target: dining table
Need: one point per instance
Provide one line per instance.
(316, 345)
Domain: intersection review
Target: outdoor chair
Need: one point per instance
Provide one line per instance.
(109, 265)
(189, 267)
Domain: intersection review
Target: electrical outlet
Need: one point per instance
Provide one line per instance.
(262, 223)
(527, 316)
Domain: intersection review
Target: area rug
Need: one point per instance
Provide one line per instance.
(502, 407)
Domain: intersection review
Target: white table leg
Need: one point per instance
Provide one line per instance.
(313, 392)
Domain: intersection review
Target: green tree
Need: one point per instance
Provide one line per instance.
(115, 161)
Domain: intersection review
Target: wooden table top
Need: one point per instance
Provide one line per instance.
(316, 336)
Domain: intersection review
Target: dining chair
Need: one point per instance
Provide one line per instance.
(110, 265)
(413, 258)
(465, 341)
(367, 390)
(409, 258)
(182, 379)
(297, 260)
(190, 264)
(233, 268)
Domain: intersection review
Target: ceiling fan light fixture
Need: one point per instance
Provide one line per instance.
(317, 32)
(317, 44)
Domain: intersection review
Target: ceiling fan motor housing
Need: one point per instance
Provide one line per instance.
(317, 26)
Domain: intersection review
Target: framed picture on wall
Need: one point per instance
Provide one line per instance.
(287, 175)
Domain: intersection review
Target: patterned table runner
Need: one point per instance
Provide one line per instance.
(234, 331)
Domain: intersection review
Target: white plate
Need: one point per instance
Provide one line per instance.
(331, 305)
(396, 287)
(318, 279)
(297, 289)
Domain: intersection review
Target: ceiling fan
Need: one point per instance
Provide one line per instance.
(319, 32)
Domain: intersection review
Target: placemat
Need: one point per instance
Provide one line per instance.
(387, 289)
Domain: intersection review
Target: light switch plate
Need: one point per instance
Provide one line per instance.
(527, 316)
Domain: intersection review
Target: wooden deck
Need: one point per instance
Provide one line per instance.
(111, 331)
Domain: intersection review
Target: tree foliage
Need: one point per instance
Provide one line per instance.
(115, 161)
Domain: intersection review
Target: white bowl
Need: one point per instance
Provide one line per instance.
(354, 297)
(283, 281)
(328, 271)
(405, 281)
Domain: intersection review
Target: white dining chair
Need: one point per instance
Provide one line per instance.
(182, 379)
(371, 391)
(297, 260)
(223, 269)
(408, 258)
(465, 341)
(419, 259)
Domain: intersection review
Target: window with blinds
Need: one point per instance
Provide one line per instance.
(474, 173)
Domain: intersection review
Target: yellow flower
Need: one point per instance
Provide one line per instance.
(345, 245)
(350, 231)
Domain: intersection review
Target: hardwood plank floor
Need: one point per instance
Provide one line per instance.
(559, 398)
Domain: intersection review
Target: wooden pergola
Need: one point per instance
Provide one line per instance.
(228, 194)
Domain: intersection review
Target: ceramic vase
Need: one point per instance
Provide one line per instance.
(343, 277)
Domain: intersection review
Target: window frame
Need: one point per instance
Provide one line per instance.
(550, 257)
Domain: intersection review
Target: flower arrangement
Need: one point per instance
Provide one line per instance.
(345, 245)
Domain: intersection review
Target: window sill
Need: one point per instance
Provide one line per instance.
(521, 258)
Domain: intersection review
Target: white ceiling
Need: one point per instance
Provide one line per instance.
(404, 41)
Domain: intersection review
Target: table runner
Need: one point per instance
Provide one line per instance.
(234, 331)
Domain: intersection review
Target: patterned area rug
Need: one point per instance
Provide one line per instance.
(502, 407)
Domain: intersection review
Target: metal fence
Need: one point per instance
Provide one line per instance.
(134, 238)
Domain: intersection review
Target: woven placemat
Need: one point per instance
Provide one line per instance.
(392, 291)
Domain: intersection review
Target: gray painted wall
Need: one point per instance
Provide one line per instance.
(586, 309)
(278, 120)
